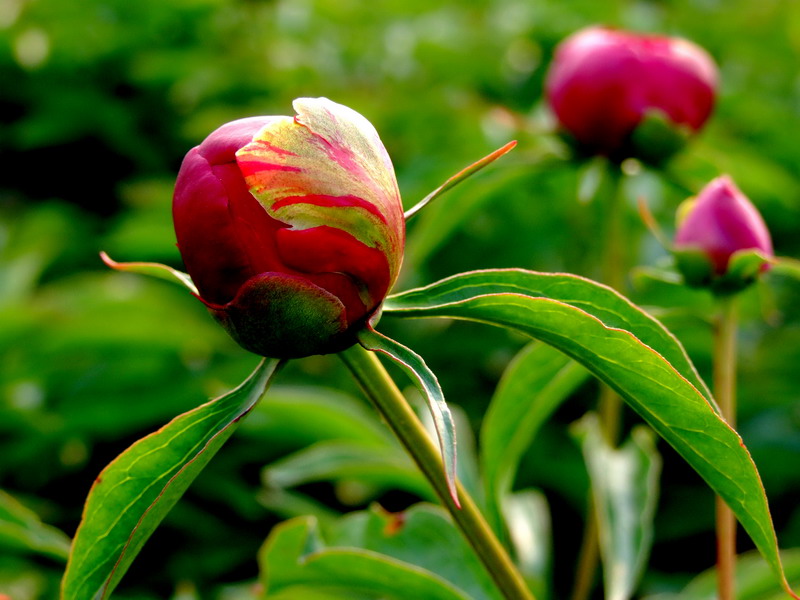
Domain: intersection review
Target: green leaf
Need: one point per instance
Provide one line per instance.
(430, 389)
(21, 529)
(459, 177)
(303, 415)
(628, 350)
(532, 387)
(384, 467)
(135, 492)
(417, 536)
(153, 270)
(624, 483)
(294, 557)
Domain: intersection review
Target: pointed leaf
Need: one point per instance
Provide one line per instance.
(154, 270)
(532, 387)
(430, 389)
(628, 350)
(135, 492)
(21, 529)
(624, 483)
(459, 177)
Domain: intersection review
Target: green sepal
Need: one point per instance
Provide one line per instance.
(743, 270)
(657, 138)
(285, 316)
(744, 267)
(695, 266)
(156, 270)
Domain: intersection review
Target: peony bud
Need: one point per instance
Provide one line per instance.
(603, 84)
(291, 228)
(720, 222)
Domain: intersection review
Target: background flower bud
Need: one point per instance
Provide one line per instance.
(603, 83)
(292, 229)
(720, 222)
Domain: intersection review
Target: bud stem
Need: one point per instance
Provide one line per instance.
(392, 405)
(613, 267)
(725, 393)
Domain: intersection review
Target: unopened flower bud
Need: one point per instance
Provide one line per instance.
(719, 223)
(605, 84)
(291, 228)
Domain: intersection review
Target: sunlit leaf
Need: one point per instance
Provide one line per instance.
(153, 269)
(135, 492)
(628, 350)
(459, 177)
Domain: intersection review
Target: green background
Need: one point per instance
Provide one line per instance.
(99, 100)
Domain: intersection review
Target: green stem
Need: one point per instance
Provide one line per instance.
(725, 393)
(613, 267)
(382, 391)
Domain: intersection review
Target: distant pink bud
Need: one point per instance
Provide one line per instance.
(604, 82)
(291, 228)
(722, 221)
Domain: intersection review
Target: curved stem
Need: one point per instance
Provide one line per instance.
(725, 392)
(382, 391)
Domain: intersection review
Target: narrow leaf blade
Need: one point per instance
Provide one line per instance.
(429, 386)
(459, 177)
(152, 269)
(135, 492)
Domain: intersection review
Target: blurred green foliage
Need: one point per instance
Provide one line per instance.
(100, 99)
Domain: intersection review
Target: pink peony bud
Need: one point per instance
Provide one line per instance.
(291, 228)
(720, 222)
(603, 83)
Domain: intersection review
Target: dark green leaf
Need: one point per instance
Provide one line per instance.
(134, 493)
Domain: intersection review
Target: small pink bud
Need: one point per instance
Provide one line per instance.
(291, 228)
(603, 83)
(720, 222)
